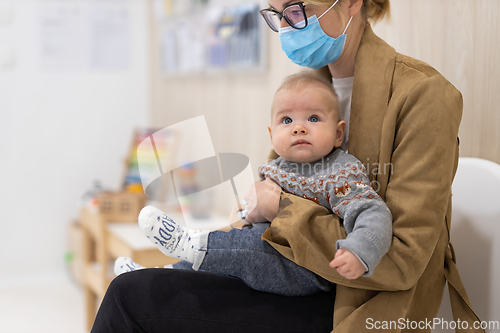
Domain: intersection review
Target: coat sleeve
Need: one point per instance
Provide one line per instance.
(423, 157)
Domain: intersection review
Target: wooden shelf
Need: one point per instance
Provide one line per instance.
(102, 242)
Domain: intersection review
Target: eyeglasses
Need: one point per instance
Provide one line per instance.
(294, 14)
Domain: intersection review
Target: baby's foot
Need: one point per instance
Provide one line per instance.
(171, 238)
(125, 264)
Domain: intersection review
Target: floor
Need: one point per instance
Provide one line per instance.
(49, 304)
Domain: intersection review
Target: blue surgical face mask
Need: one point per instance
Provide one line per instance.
(312, 47)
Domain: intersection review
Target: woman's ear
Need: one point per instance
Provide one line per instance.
(339, 135)
(355, 7)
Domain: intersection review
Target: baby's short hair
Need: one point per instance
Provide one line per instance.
(308, 76)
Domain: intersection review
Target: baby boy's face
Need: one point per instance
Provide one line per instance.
(305, 123)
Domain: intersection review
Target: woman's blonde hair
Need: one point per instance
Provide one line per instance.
(373, 10)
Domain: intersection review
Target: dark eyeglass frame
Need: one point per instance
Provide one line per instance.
(281, 16)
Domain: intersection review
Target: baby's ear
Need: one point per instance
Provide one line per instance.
(270, 133)
(339, 135)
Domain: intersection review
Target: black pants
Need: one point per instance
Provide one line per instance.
(170, 300)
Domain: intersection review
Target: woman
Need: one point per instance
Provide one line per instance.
(403, 125)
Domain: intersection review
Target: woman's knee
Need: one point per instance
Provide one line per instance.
(129, 287)
(123, 284)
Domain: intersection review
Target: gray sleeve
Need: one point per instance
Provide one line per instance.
(370, 236)
(367, 220)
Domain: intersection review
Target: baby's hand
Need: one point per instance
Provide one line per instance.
(347, 264)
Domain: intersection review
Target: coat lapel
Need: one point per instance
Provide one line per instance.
(370, 96)
(375, 63)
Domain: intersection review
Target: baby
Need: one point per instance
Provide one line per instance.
(306, 132)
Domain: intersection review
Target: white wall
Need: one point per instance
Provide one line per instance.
(60, 129)
(460, 38)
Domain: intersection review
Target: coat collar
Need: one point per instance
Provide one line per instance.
(374, 70)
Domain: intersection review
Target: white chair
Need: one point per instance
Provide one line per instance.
(475, 235)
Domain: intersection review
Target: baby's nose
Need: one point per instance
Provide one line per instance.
(299, 130)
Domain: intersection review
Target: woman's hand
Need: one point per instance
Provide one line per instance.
(263, 201)
(347, 264)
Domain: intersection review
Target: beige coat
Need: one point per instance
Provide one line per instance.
(404, 125)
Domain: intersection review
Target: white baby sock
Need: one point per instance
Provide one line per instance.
(172, 239)
(124, 265)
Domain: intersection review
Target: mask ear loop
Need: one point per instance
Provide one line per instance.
(326, 11)
(347, 26)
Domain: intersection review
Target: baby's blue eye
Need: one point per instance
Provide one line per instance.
(287, 120)
(314, 119)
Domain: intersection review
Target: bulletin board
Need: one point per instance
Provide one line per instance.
(199, 36)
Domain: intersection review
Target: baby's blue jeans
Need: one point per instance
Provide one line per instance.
(243, 254)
